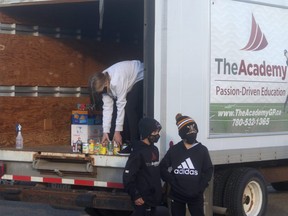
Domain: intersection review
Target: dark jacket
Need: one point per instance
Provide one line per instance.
(191, 171)
(141, 175)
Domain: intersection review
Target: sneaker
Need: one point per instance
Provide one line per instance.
(125, 151)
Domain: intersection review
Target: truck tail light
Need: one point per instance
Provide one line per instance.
(2, 169)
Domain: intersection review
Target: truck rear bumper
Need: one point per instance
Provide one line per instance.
(67, 198)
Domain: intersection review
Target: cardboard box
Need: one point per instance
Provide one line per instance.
(85, 132)
(95, 119)
(79, 117)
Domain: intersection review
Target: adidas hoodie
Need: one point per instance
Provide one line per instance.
(191, 171)
(141, 175)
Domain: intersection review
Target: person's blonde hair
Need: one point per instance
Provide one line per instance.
(98, 81)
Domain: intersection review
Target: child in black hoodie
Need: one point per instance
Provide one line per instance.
(141, 175)
(191, 170)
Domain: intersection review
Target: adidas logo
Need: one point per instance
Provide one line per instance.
(186, 168)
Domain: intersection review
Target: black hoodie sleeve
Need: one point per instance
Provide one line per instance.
(164, 165)
(207, 170)
(131, 170)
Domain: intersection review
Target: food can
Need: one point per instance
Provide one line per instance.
(97, 147)
(116, 148)
(85, 148)
(91, 146)
(103, 150)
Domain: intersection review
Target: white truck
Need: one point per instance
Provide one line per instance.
(222, 62)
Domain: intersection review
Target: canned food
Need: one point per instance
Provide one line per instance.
(97, 147)
(103, 150)
(91, 146)
(116, 148)
(85, 148)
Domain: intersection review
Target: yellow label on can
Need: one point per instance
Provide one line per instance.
(103, 150)
(116, 150)
(91, 148)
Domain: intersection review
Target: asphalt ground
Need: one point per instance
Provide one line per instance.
(277, 203)
(277, 206)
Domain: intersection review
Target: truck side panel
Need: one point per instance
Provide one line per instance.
(186, 32)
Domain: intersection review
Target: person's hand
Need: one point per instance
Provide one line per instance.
(117, 138)
(139, 201)
(105, 138)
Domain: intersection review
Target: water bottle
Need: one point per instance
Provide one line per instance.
(19, 138)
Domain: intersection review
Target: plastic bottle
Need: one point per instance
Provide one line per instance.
(19, 138)
(110, 148)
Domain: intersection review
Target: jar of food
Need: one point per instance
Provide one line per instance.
(85, 148)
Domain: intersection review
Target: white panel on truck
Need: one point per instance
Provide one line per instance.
(225, 67)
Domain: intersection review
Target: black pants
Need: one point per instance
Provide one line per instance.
(143, 211)
(133, 114)
(196, 207)
(154, 211)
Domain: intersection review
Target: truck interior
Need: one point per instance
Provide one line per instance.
(57, 46)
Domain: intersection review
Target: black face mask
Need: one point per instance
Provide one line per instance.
(191, 138)
(153, 138)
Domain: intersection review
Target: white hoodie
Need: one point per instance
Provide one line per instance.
(123, 76)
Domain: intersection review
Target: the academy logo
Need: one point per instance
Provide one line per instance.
(257, 40)
(186, 168)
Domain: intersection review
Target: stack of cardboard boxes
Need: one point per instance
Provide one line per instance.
(84, 125)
